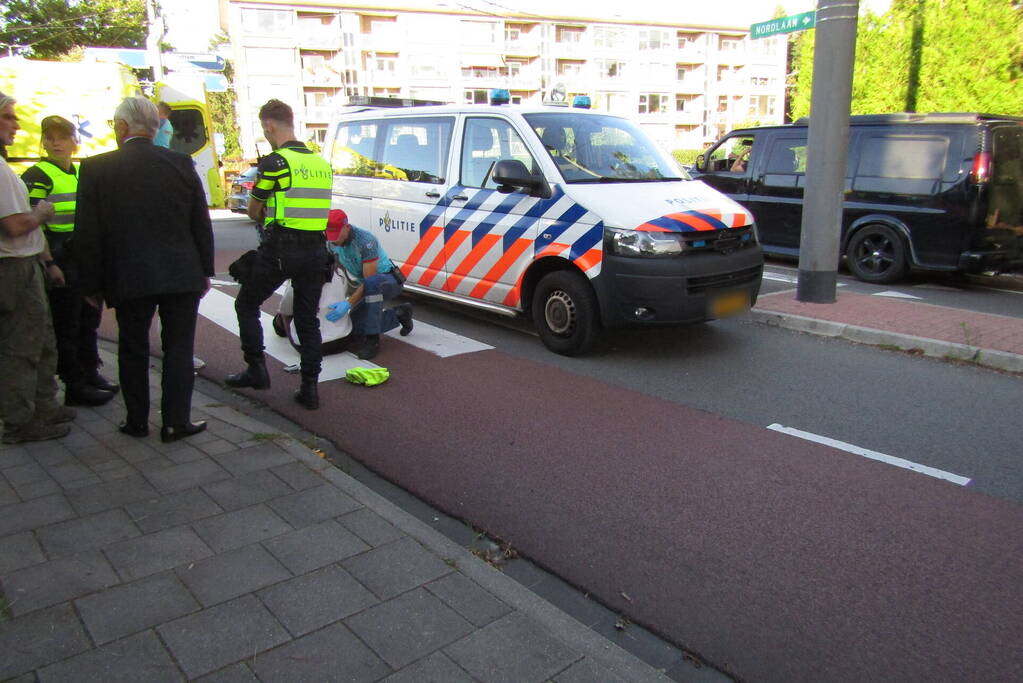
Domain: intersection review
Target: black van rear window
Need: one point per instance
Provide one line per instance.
(901, 164)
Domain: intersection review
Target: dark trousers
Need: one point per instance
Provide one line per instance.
(178, 314)
(369, 317)
(75, 324)
(298, 255)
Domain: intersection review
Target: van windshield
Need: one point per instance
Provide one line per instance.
(602, 149)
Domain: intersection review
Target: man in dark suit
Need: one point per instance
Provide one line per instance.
(144, 243)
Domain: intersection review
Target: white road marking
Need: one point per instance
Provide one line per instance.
(790, 279)
(897, 295)
(873, 455)
(223, 283)
(439, 341)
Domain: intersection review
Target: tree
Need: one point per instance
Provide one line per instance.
(45, 29)
(222, 107)
(930, 55)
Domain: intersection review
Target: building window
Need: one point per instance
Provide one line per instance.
(761, 105)
(610, 68)
(729, 43)
(686, 103)
(687, 39)
(608, 36)
(654, 39)
(653, 103)
(266, 22)
(568, 34)
(722, 104)
(477, 96)
(384, 63)
(683, 70)
(570, 68)
(479, 32)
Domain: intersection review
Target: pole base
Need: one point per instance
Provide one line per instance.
(817, 286)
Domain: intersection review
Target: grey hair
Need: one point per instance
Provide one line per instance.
(140, 114)
(5, 100)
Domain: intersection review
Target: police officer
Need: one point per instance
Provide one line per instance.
(75, 323)
(376, 280)
(291, 197)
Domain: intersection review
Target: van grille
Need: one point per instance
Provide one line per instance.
(700, 285)
(727, 240)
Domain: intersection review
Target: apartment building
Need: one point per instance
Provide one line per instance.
(686, 84)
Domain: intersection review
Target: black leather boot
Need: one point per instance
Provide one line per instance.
(82, 394)
(308, 394)
(100, 382)
(254, 376)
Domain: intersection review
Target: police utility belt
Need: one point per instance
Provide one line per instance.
(282, 233)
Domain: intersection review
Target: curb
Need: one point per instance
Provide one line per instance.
(998, 360)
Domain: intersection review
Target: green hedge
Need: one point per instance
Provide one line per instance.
(686, 156)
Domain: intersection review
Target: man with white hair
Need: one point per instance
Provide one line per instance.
(144, 243)
(28, 349)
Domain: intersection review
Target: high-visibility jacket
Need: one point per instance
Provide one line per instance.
(304, 204)
(62, 194)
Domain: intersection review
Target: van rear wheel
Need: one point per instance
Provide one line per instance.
(876, 253)
(565, 313)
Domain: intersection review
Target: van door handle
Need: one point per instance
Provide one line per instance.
(460, 197)
(432, 194)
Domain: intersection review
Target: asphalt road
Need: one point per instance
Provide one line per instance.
(647, 469)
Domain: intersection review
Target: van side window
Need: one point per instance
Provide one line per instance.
(1005, 208)
(416, 149)
(786, 162)
(901, 164)
(354, 149)
(731, 156)
(487, 141)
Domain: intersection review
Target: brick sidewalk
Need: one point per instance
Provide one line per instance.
(240, 554)
(991, 340)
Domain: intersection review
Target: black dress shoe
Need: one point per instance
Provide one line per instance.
(138, 431)
(169, 434)
(94, 379)
(83, 394)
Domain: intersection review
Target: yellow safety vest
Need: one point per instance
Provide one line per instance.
(62, 195)
(304, 204)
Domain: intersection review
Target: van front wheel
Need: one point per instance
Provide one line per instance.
(565, 313)
(877, 254)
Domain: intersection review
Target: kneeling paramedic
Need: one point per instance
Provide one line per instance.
(291, 197)
(376, 280)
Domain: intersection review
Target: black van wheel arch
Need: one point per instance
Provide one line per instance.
(565, 312)
(877, 253)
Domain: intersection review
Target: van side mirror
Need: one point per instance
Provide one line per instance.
(511, 174)
(699, 162)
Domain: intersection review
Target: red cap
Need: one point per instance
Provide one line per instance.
(336, 219)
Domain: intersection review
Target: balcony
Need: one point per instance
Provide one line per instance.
(319, 114)
(326, 38)
(692, 83)
(384, 41)
(322, 77)
(524, 47)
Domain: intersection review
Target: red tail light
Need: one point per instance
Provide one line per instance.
(981, 171)
(248, 184)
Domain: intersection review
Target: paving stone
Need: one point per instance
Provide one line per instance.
(333, 654)
(312, 601)
(111, 494)
(19, 550)
(228, 575)
(118, 473)
(34, 513)
(133, 607)
(78, 439)
(298, 476)
(171, 510)
(238, 673)
(468, 599)
(140, 657)
(408, 627)
(13, 455)
(231, 433)
(243, 628)
(217, 447)
(586, 671)
(314, 505)
(40, 638)
(68, 472)
(436, 668)
(261, 457)
(371, 527)
(248, 489)
(100, 427)
(187, 454)
(396, 567)
(28, 473)
(55, 456)
(156, 552)
(86, 533)
(315, 546)
(7, 494)
(514, 649)
(82, 483)
(189, 475)
(157, 464)
(49, 583)
(241, 527)
(38, 489)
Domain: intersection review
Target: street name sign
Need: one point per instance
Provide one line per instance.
(796, 22)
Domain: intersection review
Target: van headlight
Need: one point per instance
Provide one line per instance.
(643, 244)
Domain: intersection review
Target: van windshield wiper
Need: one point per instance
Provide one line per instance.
(606, 179)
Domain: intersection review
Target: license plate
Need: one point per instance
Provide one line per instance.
(728, 304)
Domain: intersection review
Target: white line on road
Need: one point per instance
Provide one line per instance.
(892, 294)
(790, 279)
(873, 455)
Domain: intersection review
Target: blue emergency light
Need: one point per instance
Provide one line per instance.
(581, 101)
(500, 96)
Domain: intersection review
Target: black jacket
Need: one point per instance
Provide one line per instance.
(142, 226)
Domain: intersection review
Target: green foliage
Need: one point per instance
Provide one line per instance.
(928, 55)
(223, 108)
(51, 28)
(686, 156)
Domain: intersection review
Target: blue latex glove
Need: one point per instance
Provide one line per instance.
(337, 311)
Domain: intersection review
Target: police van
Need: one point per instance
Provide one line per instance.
(573, 217)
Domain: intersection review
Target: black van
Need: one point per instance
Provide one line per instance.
(924, 191)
